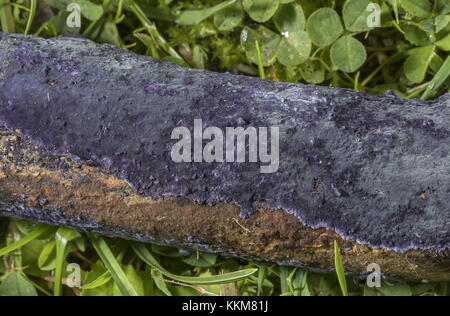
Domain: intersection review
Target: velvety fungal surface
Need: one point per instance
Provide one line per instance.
(374, 169)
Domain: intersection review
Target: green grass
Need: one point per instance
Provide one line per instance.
(340, 269)
(220, 36)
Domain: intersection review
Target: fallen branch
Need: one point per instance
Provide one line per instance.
(86, 141)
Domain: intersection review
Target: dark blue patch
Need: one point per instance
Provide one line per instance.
(350, 162)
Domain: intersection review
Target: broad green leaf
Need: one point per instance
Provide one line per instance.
(348, 54)
(230, 17)
(415, 35)
(313, 72)
(16, 284)
(58, 23)
(47, 257)
(159, 281)
(261, 10)
(146, 256)
(193, 17)
(30, 254)
(324, 27)
(112, 265)
(269, 43)
(419, 8)
(416, 65)
(443, 6)
(295, 48)
(89, 10)
(435, 24)
(444, 43)
(290, 18)
(438, 80)
(340, 269)
(356, 15)
(436, 63)
(110, 34)
(288, 74)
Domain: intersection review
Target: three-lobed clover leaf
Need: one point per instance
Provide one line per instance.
(261, 10)
(324, 27)
(268, 41)
(348, 54)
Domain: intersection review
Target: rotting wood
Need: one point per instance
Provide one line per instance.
(85, 143)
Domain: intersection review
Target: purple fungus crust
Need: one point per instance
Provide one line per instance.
(374, 169)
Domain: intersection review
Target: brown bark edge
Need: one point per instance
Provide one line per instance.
(30, 179)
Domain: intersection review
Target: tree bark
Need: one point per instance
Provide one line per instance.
(86, 140)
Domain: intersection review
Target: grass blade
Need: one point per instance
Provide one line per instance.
(100, 281)
(340, 269)
(160, 283)
(6, 17)
(438, 80)
(38, 232)
(152, 30)
(112, 265)
(146, 256)
(62, 237)
(262, 73)
(261, 277)
(284, 275)
(32, 14)
(61, 247)
(149, 42)
(194, 17)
